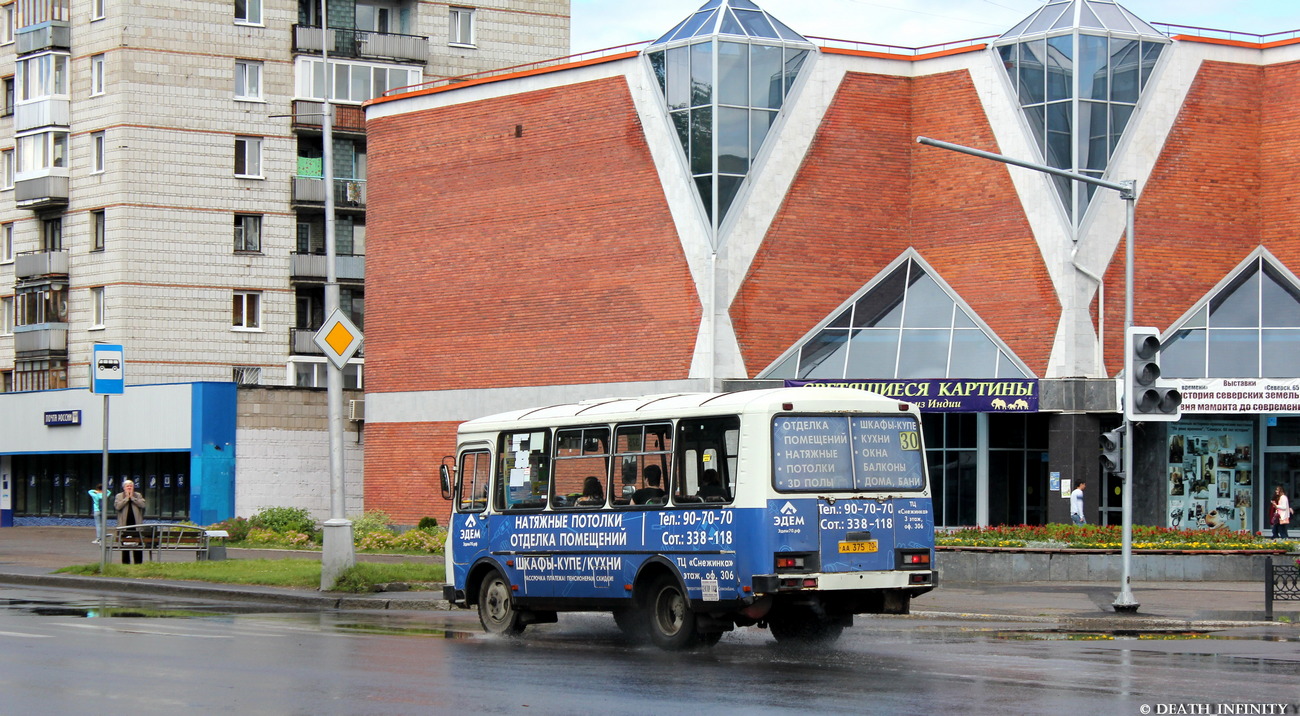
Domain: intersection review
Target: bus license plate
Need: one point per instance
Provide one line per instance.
(852, 547)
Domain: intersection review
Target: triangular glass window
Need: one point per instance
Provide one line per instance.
(1079, 86)
(905, 324)
(1247, 327)
(725, 73)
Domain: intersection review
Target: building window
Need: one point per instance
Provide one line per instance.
(9, 96)
(6, 316)
(248, 232)
(7, 167)
(40, 375)
(247, 313)
(97, 153)
(248, 80)
(96, 75)
(52, 234)
(353, 82)
(248, 157)
(98, 228)
(248, 12)
(462, 26)
(313, 374)
(97, 307)
(37, 153)
(246, 375)
(42, 76)
(6, 24)
(6, 243)
(97, 10)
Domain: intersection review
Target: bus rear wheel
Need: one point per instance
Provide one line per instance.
(496, 611)
(671, 621)
(804, 626)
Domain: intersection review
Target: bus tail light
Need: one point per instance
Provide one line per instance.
(796, 562)
(789, 562)
(799, 583)
(918, 578)
(911, 559)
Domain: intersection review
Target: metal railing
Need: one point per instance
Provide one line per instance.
(347, 192)
(347, 267)
(830, 42)
(30, 264)
(301, 342)
(1208, 32)
(347, 117)
(527, 66)
(1281, 583)
(362, 43)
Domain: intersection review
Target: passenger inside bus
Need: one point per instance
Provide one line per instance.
(651, 494)
(592, 494)
(711, 489)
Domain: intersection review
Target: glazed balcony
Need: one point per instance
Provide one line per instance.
(348, 193)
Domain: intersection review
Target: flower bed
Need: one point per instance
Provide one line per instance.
(1094, 537)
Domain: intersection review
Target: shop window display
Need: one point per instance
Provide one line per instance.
(1211, 475)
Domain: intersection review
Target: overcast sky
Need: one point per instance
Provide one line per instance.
(910, 23)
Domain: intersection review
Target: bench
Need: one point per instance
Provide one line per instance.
(1281, 583)
(157, 538)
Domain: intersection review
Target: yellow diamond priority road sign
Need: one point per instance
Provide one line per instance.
(339, 338)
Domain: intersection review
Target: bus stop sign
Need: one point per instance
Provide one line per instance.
(107, 369)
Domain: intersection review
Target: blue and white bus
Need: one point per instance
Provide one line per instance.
(687, 515)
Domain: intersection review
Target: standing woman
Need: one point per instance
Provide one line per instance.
(1281, 513)
(130, 511)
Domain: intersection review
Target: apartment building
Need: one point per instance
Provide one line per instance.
(163, 189)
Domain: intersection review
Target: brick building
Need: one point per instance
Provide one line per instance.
(163, 189)
(735, 204)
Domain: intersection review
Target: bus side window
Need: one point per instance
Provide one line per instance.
(643, 455)
(472, 480)
(523, 478)
(581, 467)
(707, 450)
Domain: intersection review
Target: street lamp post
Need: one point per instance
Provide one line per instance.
(1127, 189)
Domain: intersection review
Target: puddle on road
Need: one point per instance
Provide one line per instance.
(436, 632)
(1123, 635)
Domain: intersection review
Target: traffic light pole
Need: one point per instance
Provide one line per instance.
(1128, 192)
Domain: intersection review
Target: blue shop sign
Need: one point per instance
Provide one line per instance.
(947, 395)
(54, 418)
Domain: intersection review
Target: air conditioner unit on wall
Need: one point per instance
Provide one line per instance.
(357, 410)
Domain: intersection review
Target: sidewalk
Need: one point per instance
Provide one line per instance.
(28, 555)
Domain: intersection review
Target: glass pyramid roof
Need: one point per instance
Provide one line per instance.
(1101, 16)
(741, 18)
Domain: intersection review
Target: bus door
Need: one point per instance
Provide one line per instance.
(469, 523)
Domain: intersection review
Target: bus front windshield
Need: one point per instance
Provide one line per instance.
(820, 453)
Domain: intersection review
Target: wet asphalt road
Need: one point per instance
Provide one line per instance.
(73, 653)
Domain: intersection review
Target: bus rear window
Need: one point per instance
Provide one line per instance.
(821, 453)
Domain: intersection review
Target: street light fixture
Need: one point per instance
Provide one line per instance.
(1127, 189)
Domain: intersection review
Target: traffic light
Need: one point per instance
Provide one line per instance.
(1112, 451)
(1146, 396)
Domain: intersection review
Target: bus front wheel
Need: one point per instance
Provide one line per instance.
(671, 621)
(496, 612)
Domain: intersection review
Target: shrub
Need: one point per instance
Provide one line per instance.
(236, 527)
(427, 523)
(372, 522)
(421, 540)
(284, 519)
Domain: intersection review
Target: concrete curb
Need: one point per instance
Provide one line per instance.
(256, 595)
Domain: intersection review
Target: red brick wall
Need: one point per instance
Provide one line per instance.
(1280, 161)
(867, 191)
(1200, 212)
(402, 473)
(504, 260)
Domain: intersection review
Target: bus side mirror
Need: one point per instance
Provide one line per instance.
(444, 479)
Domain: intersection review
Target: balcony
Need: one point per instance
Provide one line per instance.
(35, 264)
(348, 193)
(362, 44)
(47, 112)
(348, 118)
(52, 34)
(302, 343)
(41, 340)
(46, 192)
(347, 267)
